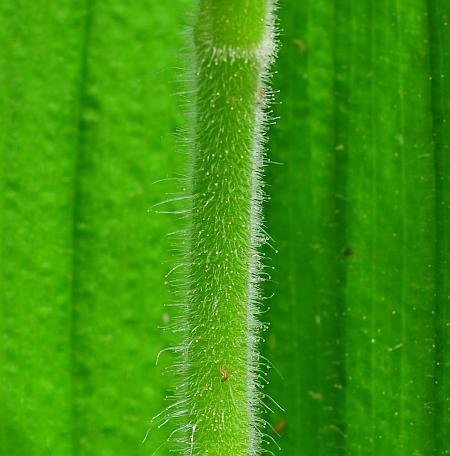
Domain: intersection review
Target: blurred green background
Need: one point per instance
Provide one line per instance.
(90, 115)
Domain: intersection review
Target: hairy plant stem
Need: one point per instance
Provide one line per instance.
(233, 42)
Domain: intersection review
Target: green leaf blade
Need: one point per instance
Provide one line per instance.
(386, 278)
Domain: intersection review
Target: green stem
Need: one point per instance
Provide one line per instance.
(233, 47)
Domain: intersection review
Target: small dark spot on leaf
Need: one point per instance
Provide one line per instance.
(300, 45)
(348, 252)
(279, 428)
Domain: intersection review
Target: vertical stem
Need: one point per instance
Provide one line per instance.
(233, 46)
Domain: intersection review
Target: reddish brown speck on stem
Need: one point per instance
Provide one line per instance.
(225, 374)
(261, 95)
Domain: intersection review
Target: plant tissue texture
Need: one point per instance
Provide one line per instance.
(81, 260)
(360, 216)
(221, 393)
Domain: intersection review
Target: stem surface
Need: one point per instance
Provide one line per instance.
(233, 46)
